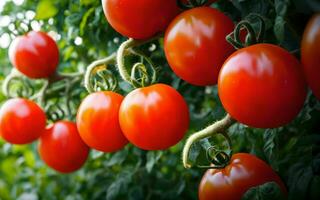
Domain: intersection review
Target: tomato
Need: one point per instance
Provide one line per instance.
(35, 54)
(21, 121)
(230, 183)
(195, 44)
(61, 147)
(139, 19)
(98, 121)
(262, 86)
(154, 117)
(310, 55)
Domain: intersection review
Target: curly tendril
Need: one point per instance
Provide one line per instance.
(252, 36)
(16, 85)
(140, 75)
(219, 159)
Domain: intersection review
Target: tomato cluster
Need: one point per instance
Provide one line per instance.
(261, 85)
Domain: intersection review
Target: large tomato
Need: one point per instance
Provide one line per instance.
(139, 19)
(21, 121)
(230, 183)
(35, 54)
(154, 117)
(262, 86)
(195, 44)
(98, 121)
(61, 147)
(310, 54)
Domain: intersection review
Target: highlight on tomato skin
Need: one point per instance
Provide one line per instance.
(230, 183)
(98, 121)
(310, 56)
(34, 54)
(154, 117)
(61, 147)
(195, 45)
(21, 121)
(140, 19)
(262, 86)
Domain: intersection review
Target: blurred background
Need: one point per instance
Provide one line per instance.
(83, 35)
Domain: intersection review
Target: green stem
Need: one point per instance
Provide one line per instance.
(216, 128)
(121, 53)
(93, 68)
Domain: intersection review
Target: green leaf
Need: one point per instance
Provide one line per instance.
(152, 159)
(46, 9)
(266, 191)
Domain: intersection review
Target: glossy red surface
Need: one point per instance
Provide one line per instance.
(195, 44)
(230, 183)
(61, 147)
(154, 117)
(35, 54)
(139, 19)
(262, 86)
(98, 121)
(21, 121)
(310, 54)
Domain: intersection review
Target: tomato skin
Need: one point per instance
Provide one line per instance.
(310, 56)
(154, 117)
(98, 121)
(35, 54)
(243, 172)
(21, 121)
(195, 44)
(61, 147)
(139, 19)
(262, 86)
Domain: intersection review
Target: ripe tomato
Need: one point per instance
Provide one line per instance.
(154, 117)
(61, 147)
(243, 172)
(310, 55)
(195, 44)
(35, 54)
(98, 121)
(21, 121)
(262, 86)
(139, 19)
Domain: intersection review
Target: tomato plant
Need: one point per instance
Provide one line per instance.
(139, 19)
(35, 54)
(61, 147)
(21, 121)
(98, 121)
(230, 183)
(95, 60)
(201, 33)
(262, 86)
(309, 54)
(154, 117)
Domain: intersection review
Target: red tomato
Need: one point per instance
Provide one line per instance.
(243, 172)
(61, 147)
(35, 54)
(139, 19)
(310, 55)
(195, 44)
(21, 121)
(98, 121)
(154, 117)
(262, 86)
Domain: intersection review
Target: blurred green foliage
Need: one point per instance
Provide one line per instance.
(84, 36)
